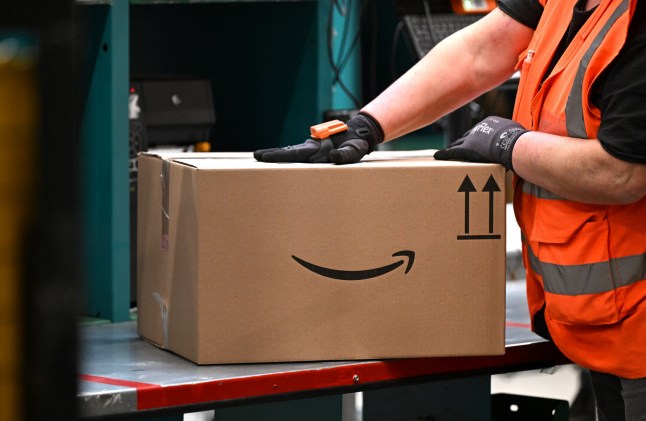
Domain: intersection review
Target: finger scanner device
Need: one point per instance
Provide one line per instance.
(327, 129)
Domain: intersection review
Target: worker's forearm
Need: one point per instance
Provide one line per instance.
(424, 94)
(459, 69)
(578, 169)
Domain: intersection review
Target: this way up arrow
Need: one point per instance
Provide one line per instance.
(491, 186)
(466, 187)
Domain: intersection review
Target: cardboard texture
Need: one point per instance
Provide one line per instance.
(397, 256)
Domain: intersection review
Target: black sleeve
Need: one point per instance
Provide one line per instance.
(623, 115)
(527, 12)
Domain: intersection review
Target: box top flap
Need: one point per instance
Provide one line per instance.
(245, 160)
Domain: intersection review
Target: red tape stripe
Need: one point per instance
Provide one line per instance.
(148, 394)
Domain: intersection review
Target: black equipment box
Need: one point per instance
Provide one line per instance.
(171, 111)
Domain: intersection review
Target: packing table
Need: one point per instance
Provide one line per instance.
(122, 375)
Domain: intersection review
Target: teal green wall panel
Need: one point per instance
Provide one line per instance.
(105, 164)
(336, 47)
(346, 55)
(324, 69)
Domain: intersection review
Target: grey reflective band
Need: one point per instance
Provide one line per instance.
(592, 278)
(574, 122)
(539, 192)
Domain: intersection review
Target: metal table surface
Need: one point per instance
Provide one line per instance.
(121, 374)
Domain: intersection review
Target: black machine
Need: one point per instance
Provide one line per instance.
(426, 30)
(165, 112)
(427, 22)
(171, 111)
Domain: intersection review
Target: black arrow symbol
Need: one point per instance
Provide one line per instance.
(491, 186)
(466, 187)
(356, 275)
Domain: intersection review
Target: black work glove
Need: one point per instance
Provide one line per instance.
(491, 140)
(362, 137)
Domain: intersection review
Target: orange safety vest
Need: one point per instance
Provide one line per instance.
(585, 263)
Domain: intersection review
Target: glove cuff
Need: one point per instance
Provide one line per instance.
(376, 133)
(506, 146)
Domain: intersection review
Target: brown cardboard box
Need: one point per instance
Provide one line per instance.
(397, 256)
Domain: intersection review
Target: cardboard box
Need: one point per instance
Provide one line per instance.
(397, 256)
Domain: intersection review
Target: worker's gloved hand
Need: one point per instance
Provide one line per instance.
(491, 140)
(362, 137)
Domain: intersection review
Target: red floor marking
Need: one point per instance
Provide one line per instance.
(516, 324)
(147, 393)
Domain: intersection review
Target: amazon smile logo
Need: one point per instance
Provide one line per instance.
(358, 275)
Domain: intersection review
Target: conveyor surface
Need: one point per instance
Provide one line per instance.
(119, 373)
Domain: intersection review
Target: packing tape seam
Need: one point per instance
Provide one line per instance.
(164, 318)
(165, 186)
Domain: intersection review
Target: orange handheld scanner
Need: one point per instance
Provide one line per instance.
(327, 129)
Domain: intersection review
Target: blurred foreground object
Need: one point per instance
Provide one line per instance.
(19, 110)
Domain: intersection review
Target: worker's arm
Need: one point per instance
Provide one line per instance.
(458, 70)
(577, 169)
(483, 56)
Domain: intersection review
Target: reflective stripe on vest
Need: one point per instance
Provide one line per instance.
(573, 112)
(592, 278)
(582, 279)
(539, 192)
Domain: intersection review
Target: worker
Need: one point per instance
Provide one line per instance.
(577, 146)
